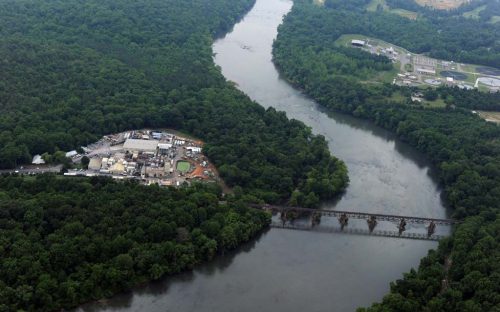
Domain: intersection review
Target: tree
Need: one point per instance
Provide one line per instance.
(85, 162)
(430, 94)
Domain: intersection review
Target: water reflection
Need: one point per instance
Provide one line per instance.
(162, 286)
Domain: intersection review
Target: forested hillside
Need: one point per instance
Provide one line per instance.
(67, 241)
(463, 274)
(441, 34)
(75, 70)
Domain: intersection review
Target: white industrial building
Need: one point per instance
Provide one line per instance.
(71, 154)
(194, 149)
(358, 43)
(164, 146)
(425, 71)
(135, 145)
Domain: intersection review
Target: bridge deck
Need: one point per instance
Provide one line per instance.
(357, 215)
(357, 231)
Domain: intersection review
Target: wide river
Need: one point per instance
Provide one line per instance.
(292, 271)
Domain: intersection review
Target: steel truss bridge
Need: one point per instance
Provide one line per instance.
(289, 214)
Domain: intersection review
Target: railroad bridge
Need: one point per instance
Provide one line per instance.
(289, 214)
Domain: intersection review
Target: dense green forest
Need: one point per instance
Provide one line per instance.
(438, 33)
(66, 241)
(75, 70)
(463, 274)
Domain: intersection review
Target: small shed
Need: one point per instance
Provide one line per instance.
(358, 43)
(72, 153)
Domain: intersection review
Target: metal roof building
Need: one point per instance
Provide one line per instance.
(426, 71)
(71, 153)
(95, 164)
(358, 43)
(135, 145)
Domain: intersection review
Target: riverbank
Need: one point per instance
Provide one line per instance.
(455, 140)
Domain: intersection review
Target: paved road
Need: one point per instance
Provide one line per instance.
(34, 169)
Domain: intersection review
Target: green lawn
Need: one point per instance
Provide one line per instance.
(345, 40)
(405, 13)
(397, 97)
(183, 166)
(474, 13)
(494, 19)
(437, 103)
(388, 76)
(372, 6)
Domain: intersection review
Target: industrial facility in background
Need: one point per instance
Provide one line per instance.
(150, 156)
(417, 70)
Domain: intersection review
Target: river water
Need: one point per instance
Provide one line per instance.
(286, 270)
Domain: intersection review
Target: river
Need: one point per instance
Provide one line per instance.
(292, 271)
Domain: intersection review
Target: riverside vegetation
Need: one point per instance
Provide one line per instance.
(463, 274)
(76, 70)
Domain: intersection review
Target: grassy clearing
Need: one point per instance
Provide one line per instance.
(380, 77)
(183, 166)
(474, 13)
(345, 40)
(439, 103)
(442, 4)
(405, 13)
(387, 76)
(494, 19)
(374, 4)
(468, 68)
(397, 97)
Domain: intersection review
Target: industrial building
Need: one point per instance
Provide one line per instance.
(144, 145)
(358, 43)
(95, 164)
(71, 154)
(153, 157)
(425, 71)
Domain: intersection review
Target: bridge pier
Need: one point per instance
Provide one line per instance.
(402, 226)
(315, 219)
(372, 223)
(343, 220)
(431, 229)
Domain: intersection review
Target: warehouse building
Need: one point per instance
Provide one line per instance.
(136, 145)
(425, 71)
(95, 164)
(358, 43)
